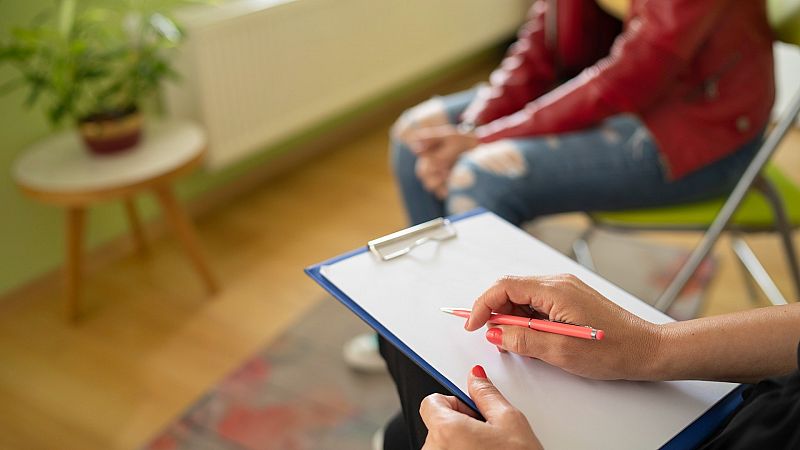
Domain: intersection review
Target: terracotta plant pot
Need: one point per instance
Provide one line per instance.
(111, 132)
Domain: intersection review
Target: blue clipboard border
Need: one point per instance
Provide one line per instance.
(690, 437)
(315, 273)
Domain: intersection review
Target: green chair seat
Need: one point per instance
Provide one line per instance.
(754, 212)
(784, 17)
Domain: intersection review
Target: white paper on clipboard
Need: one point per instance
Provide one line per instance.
(566, 411)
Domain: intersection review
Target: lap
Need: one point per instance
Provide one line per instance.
(413, 385)
(616, 165)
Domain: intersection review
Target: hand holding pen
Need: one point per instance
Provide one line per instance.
(629, 345)
(547, 326)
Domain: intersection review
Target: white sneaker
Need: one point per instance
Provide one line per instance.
(361, 353)
(377, 439)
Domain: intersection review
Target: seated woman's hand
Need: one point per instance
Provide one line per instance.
(629, 349)
(437, 149)
(433, 176)
(430, 113)
(452, 425)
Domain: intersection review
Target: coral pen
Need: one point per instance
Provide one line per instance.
(535, 324)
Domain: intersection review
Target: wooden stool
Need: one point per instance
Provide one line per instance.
(60, 171)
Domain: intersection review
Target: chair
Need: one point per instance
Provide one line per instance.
(763, 200)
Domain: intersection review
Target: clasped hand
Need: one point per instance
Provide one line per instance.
(437, 149)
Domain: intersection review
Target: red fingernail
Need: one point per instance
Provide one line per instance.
(495, 336)
(478, 372)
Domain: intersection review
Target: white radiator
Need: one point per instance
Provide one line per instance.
(256, 72)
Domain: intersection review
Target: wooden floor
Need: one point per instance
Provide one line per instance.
(151, 341)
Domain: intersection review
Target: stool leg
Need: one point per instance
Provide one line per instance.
(76, 218)
(182, 226)
(136, 224)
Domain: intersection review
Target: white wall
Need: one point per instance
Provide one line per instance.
(259, 71)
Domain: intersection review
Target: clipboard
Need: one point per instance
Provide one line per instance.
(399, 244)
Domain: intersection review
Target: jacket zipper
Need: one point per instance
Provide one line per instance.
(709, 88)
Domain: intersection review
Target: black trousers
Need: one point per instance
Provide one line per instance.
(406, 430)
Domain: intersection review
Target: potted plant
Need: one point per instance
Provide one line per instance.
(94, 67)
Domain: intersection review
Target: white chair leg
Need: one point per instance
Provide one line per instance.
(750, 285)
(757, 271)
(787, 121)
(783, 226)
(581, 251)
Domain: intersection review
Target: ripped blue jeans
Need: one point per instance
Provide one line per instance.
(614, 166)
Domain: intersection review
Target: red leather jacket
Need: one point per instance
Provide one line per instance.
(698, 73)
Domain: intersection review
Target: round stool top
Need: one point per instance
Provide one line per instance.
(60, 165)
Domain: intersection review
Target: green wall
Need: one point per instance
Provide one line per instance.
(32, 234)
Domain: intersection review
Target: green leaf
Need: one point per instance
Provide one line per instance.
(77, 59)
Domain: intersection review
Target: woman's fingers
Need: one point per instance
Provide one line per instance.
(513, 309)
(628, 351)
(506, 291)
(453, 426)
(546, 296)
(526, 342)
(424, 140)
(440, 406)
(431, 176)
(441, 192)
(491, 403)
(493, 299)
(423, 145)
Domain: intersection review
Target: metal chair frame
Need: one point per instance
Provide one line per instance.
(751, 179)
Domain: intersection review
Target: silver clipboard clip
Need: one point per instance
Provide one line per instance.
(399, 243)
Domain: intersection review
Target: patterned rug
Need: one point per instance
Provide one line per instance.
(297, 394)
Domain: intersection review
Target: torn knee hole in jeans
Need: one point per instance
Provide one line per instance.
(637, 142)
(610, 135)
(462, 177)
(461, 203)
(501, 158)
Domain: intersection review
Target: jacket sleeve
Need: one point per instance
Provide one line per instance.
(526, 72)
(657, 44)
